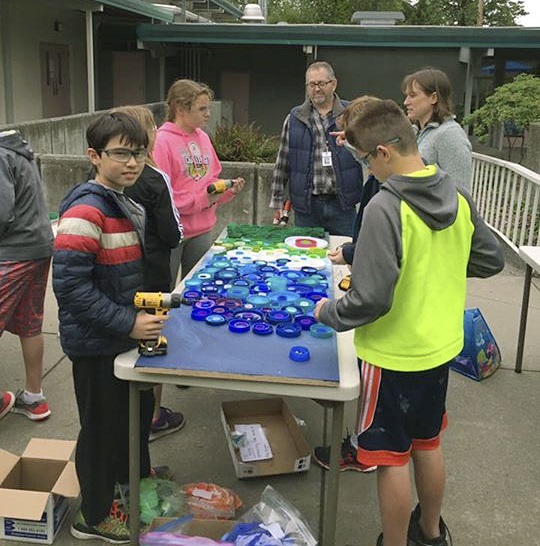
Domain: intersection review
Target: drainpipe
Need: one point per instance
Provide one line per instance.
(90, 73)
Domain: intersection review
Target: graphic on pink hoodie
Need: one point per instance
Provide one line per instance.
(192, 164)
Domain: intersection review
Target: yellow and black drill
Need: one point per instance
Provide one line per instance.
(155, 303)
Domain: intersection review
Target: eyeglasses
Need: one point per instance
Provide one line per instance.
(320, 85)
(123, 155)
(364, 159)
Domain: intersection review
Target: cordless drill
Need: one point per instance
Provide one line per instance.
(155, 303)
(219, 186)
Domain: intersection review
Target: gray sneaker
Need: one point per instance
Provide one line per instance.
(416, 536)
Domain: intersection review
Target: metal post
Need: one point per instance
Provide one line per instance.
(134, 462)
(90, 74)
(523, 319)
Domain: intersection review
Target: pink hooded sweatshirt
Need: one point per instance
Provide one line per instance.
(191, 162)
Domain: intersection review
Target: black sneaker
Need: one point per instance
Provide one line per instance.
(348, 461)
(416, 536)
(380, 540)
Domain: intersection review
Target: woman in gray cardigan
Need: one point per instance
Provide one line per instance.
(441, 140)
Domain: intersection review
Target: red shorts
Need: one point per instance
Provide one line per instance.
(400, 412)
(22, 295)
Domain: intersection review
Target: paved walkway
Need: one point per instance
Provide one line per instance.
(492, 444)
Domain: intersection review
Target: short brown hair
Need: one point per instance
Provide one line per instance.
(183, 93)
(353, 109)
(376, 122)
(433, 80)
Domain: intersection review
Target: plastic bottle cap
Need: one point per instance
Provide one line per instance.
(305, 321)
(275, 317)
(299, 354)
(262, 329)
(321, 331)
(189, 297)
(238, 326)
(205, 304)
(288, 329)
(249, 316)
(200, 314)
(215, 320)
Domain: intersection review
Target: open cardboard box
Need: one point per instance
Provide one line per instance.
(33, 490)
(291, 452)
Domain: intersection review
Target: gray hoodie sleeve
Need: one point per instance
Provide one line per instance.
(373, 278)
(487, 258)
(7, 194)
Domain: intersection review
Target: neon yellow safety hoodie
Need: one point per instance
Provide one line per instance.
(419, 241)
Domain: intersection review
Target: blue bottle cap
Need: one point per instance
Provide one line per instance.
(291, 274)
(229, 303)
(192, 283)
(219, 310)
(238, 292)
(227, 274)
(321, 331)
(248, 315)
(305, 304)
(305, 321)
(315, 296)
(282, 261)
(209, 289)
(292, 310)
(281, 299)
(252, 277)
(260, 287)
(275, 317)
(268, 269)
(308, 270)
(200, 314)
(189, 297)
(205, 304)
(238, 326)
(215, 320)
(259, 300)
(262, 329)
(299, 354)
(300, 289)
(241, 282)
(288, 329)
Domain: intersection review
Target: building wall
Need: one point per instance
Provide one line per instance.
(29, 23)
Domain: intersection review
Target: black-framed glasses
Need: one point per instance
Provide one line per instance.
(364, 159)
(320, 85)
(123, 155)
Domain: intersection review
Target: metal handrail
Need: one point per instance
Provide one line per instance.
(507, 196)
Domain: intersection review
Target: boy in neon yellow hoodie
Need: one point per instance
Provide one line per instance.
(420, 239)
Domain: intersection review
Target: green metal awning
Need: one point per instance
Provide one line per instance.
(343, 35)
(141, 8)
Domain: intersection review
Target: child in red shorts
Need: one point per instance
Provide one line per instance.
(26, 240)
(420, 239)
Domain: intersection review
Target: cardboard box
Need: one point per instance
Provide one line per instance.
(33, 490)
(291, 452)
(209, 528)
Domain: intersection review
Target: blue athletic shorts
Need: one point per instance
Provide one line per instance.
(400, 412)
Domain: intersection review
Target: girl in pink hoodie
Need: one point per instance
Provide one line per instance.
(184, 151)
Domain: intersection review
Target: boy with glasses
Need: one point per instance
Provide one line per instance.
(419, 241)
(324, 179)
(97, 269)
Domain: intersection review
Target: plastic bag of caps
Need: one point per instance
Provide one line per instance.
(271, 522)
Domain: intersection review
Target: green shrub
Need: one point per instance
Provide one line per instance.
(517, 102)
(241, 142)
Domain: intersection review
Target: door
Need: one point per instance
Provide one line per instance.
(235, 87)
(55, 80)
(129, 70)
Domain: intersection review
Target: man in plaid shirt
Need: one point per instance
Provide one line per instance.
(324, 179)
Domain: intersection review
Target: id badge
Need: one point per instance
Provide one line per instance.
(327, 159)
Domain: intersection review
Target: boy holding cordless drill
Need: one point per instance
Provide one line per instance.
(97, 269)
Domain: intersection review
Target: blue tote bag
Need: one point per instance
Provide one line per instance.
(481, 355)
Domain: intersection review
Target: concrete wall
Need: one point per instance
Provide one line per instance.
(66, 135)
(61, 172)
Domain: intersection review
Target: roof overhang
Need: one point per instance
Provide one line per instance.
(140, 8)
(343, 35)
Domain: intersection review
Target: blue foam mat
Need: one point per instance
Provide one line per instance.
(196, 346)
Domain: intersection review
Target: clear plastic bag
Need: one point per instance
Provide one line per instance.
(279, 522)
(211, 501)
(159, 498)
